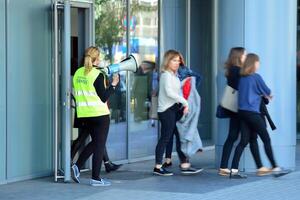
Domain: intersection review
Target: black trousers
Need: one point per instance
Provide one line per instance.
(168, 120)
(253, 123)
(234, 129)
(169, 148)
(96, 146)
(79, 143)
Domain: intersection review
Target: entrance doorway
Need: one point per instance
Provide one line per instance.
(188, 28)
(73, 32)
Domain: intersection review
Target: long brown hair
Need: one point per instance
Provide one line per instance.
(182, 62)
(249, 64)
(91, 55)
(169, 55)
(234, 58)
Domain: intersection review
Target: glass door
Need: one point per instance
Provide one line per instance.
(133, 30)
(143, 98)
(111, 39)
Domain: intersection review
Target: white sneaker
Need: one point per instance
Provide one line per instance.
(263, 171)
(100, 182)
(278, 171)
(76, 173)
(190, 170)
(224, 172)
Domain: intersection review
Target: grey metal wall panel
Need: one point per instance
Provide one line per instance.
(180, 27)
(230, 33)
(201, 59)
(29, 145)
(174, 25)
(2, 94)
(271, 33)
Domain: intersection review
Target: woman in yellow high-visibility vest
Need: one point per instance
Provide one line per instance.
(91, 94)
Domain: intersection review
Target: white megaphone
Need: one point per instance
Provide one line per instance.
(128, 64)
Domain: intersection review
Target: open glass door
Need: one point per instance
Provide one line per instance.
(73, 32)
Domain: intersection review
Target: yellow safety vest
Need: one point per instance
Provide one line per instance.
(88, 103)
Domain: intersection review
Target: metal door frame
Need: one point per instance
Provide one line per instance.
(62, 80)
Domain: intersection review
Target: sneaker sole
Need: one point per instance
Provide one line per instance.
(159, 174)
(276, 175)
(195, 172)
(263, 174)
(76, 179)
(223, 174)
(99, 185)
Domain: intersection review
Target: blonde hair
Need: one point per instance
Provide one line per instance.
(169, 55)
(91, 55)
(249, 65)
(234, 58)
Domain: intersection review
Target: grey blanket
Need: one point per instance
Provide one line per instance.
(187, 126)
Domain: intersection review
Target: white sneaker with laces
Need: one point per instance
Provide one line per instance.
(278, 171)
(100, 182)
(76, 173)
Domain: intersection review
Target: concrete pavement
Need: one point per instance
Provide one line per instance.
(135, 181)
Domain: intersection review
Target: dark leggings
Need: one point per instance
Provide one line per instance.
(168, 120)
(234, 130)
(253, 123)
(96, 146)
(79, 143)
(169, 148)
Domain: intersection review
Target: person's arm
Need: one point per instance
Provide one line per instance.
(168, 87)
(262, 87)
(103, 92)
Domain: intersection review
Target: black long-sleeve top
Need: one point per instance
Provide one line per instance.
(101, 90)
(233, 77)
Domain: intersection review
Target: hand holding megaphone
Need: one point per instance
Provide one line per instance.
(115, 80)
(128, 64)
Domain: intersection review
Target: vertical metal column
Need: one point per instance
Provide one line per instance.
(55, 90)
(81, 33)
(215, 63)
(66, 92)
(128, 76)
(188, 32)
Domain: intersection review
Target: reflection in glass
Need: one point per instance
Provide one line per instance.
(110, 37)
(143, 84)
(142, 90)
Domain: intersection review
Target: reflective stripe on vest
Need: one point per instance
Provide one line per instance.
(88, 103)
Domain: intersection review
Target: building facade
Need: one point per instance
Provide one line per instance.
(42, 43)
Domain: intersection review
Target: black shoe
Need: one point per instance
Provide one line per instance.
(166, 165)
(237, 175)
(109, 166)
(190, 170)
(161, 172)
